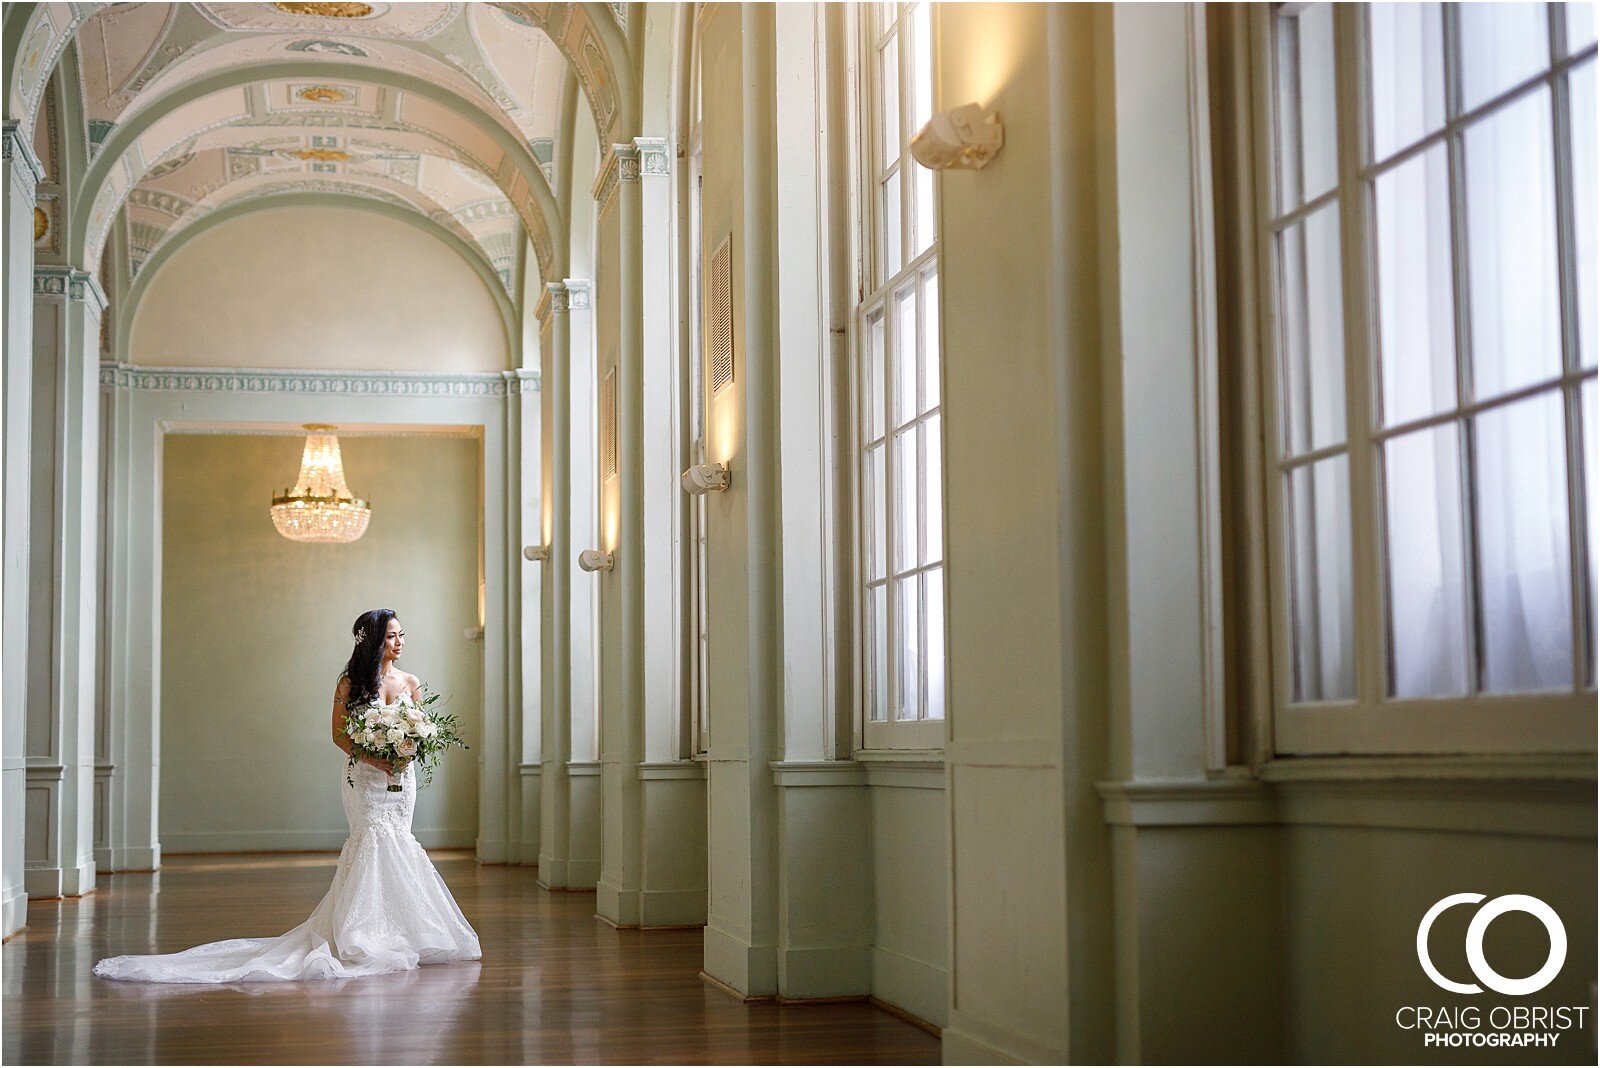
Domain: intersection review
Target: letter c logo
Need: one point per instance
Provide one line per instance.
(1475, 932)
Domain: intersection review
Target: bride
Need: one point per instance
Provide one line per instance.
(388, 908)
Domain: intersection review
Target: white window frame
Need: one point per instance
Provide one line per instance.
(698, 608)
(878, 295)
(1373, 723)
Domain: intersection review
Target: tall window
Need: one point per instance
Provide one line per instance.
(1427, 205)
(901, 495)
(698, 655)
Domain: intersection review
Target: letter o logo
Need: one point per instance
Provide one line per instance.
(1475, 932)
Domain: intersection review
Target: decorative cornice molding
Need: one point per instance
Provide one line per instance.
(19, 155)
(68, 283)
(654, 159)
(555, 297)
(265, 380)
(521, 380)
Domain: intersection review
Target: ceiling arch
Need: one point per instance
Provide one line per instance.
(224, 98)
(488, 52)
(301, 198)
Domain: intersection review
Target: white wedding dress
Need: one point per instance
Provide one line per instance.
(388, 909)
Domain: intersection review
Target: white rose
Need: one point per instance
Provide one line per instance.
(405, 697)
(415, 714)
(389, 719)
(395, 734)
(406, 747)
(427, 729)
(370, 716)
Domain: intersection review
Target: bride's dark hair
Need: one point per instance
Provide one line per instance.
(362, 670)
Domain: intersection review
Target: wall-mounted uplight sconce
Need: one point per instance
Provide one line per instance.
(537, 553)
(703, 478)
(594, 560)
(966, 137)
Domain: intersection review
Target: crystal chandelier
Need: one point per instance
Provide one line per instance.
(320, 508)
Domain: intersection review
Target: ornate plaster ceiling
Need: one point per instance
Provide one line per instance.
(449, 109)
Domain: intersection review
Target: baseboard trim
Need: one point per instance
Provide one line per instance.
(909, 1017)
(718, 984)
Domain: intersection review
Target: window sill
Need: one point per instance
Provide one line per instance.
(1508, 767)
(911, 758)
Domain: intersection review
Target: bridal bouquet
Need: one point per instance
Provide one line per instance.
(403, 729)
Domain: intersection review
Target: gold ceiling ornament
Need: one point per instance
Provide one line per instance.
(322, 155)
(41, 223)
(323, 94)
(328, 11)
(320, 507)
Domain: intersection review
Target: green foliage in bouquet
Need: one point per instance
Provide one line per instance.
(388, 731)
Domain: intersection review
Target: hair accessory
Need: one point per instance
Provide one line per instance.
(361, 636)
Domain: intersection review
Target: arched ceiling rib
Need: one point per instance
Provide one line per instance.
(483, 80)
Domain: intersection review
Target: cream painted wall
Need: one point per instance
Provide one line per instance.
(252, 621)
(318, 287)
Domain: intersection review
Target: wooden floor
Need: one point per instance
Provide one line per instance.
(556, 985)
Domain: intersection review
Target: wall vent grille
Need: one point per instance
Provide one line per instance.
(608, 425)
(719, 316)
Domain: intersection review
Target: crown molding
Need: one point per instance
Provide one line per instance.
(350, 383)
(68, 283)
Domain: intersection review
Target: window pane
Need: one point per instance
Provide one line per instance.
(1321, 609)
(889, 105)
(908, 697)
(1580, 26)
(1584, 199)
(905, 499)
(1407, 53)
(932, 491)
(919, 53)
(1522, 544)
(1501, 45)
(874, 512)
(889, 213)
(1416, 308)
(1427, 573)
(1511, 242)
(905, 356)
(878, 655)
(1591, 491)
(923, 224)
(872, 375)
(933, 598)
(1308, 164)
(930, 341)
(1313, 332)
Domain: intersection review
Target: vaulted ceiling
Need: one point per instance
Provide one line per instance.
(448, 110)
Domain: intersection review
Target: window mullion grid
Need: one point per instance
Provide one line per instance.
(1567, 274)
(903, 45)
(1265, 142)
(1355, 210)
(893, 691)
(1467, 439)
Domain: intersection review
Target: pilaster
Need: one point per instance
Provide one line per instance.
(63, 590)
(622, 748)
(22, 174)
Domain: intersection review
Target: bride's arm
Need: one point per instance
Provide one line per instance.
(340, 738)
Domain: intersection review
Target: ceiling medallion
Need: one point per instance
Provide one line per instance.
(320, 507)
(328, 11)
(41, 223)
(322, 155)
(324, 94)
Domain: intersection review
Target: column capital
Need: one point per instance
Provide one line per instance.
(19, 154)
(577, 293)
(68, 283)
(655, 160)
